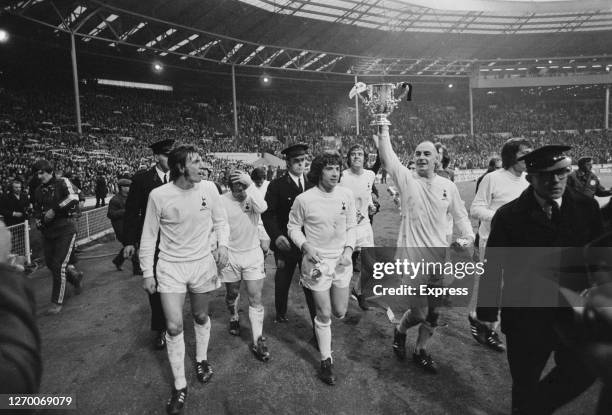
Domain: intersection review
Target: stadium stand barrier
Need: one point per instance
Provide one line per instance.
(91, 225)
(20, 241)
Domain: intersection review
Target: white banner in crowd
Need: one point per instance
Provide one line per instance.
(244, 157)
(332, 143)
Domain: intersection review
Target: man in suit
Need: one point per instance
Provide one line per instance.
(14, 205)
(135, 208)
(281, 193)
(546, 214)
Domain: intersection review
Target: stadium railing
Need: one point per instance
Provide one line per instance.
(20, 241)
(91, 225)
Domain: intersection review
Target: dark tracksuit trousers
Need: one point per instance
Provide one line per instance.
(58, 248)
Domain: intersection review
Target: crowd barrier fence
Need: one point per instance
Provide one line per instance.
(91, 225)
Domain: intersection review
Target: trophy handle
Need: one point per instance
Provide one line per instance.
(407, 91)
(357, 89)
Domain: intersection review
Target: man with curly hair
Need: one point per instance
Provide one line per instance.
(327, 214)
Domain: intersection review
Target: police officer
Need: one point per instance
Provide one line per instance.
(135, 209)
(585, 181)
(545, 215)
(55, 201)
(281, 193)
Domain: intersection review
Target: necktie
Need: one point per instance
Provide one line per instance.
(165, 178)
(300, 185)
(555, 212)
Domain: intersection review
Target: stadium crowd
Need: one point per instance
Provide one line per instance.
(119, 123)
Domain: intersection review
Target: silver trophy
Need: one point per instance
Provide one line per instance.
(379, 99)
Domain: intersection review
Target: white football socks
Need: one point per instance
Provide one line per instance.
(323, 332)
(202, 336)
(176, 356)
(256, 316)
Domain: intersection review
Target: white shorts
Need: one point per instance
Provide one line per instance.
(364, 237)
(335, 275)
(246, 265)
(263, 235)
(194, 276)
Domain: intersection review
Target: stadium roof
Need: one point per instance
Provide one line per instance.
(452, 16)
(407, 38)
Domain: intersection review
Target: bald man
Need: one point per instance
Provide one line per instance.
(427, 202)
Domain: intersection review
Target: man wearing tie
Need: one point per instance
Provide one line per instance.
(135, 208)
(526, 282)
(281, 193)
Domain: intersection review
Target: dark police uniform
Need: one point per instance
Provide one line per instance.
(532, 333)
(143, 183)
(280, 195)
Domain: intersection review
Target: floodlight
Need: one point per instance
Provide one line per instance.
(4, 36)
(157, 67)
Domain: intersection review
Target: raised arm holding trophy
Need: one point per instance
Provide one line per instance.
(426, 199)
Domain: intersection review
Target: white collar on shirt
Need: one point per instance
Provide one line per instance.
(544, 204)
(296, 178)
(161, 174)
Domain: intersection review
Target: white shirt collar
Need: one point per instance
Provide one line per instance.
(544, 204)
(296, 179)
(161, 174)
